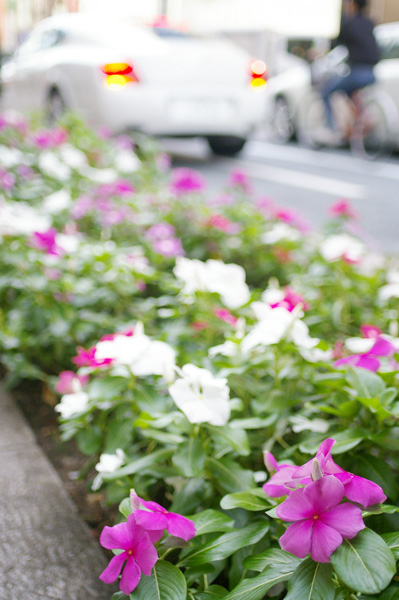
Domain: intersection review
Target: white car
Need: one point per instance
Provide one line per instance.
(289, 94)
(129, 77)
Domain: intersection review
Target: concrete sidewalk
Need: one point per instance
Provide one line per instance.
(46, 550)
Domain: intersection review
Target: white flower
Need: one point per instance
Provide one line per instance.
(316, 354)
(391, 289)
(142, 355)
(109, 463)
(19, 218)
(10, 157)
(127, 161)
(72, 404)
(69, 243)
(51, 165)
(202, 397)
(213, 276)
(73, 157)
(273, 295)
(342, 246)
(358, 345)
(99, 175)
(279, 232)
(228, 348)
(276, 324)
(57, 202)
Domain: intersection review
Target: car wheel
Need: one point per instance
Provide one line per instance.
(283, 123)
(55, 106)
(226, 145)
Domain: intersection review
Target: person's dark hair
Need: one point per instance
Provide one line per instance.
(361, 4)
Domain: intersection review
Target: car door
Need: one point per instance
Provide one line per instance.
(387, 70)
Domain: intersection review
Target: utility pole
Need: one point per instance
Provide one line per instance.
(163, 7)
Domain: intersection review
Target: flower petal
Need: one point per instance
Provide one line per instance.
(111, 573)
(150, 520)
(364, 491)
(324, 493)
(130, 576)
(325, 540)
(295, 507)
(345, 518)
(382, 347)
(116, 537)
(145, 554)
(297, 538)
(180, 526)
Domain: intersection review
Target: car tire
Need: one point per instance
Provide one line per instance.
(283, 127)
(226, 145)
(55, 106)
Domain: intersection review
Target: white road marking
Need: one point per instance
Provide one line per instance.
(292, 178)
(325, 159)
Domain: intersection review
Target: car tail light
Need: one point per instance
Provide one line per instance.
(118, 74)
(258, 73)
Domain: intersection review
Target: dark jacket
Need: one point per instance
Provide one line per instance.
(357, 35)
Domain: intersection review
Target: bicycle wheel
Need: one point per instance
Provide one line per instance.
(312, 119)
(371, 135)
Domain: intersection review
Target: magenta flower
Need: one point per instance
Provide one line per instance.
(139, 553)
(223, 224)
(239, 179)
(369, 360)
(291, 300)
(370, 331)
(46, 241)
(225, 315)
(69, 382)
(87, 358)
(320, 522)
(357, 489)
(160, 231)
(281, 482)
(342, 208)
(49, 138)
(187, 180)
(7, 180)
(291, 218)
(155, 517)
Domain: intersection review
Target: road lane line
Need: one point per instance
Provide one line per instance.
(292, 178)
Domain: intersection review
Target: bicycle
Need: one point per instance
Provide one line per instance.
(367, 120)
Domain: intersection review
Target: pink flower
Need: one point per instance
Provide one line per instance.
(25, 172)
(240, 179)
(69, 382)
(87, 358)
(156, 517)
(163, 161)
(225, 315)
(357, 489)
(281, 483)
(265, 206)
(139, 553)
(187, 180)
(342, 208)
(169, 247)
(291, 218)
(47, 138)
(81, 207)
(369, 360)
(223, 224)
(123, 187)
(320, 522)
(160, 231)
(7, 180)
(291, 300)
(370, 331)
(46, 241)
(199, 325)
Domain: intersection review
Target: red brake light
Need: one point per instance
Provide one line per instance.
(118, 74)
(117, 69)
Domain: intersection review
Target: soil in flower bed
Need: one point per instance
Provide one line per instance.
(38, 408)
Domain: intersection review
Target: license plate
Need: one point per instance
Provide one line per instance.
(202, 110)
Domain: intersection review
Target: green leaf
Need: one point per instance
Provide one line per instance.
(229, 475)
(256, 588)
(235, 438)
(273, 557)
(190, 457)
(392, 593)
(253, 500)
(388, 439)
(392, 541)
(365, 564)
(165, 583)
(119, 596)
(376, 469)
(227, 544)
(209, 521)
(139, 465)
(214, 592)
(89, 440)
(125, 507)
(366, 383)
(311, 581)
(108, 388)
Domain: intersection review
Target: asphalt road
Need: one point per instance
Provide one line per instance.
(308, 181)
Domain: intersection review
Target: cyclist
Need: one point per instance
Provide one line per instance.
(357, 35)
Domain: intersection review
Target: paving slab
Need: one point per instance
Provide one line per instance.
(46, 549)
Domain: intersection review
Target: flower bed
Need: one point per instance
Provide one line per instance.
(195, 340)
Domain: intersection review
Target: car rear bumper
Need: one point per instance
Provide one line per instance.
(181, 112)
